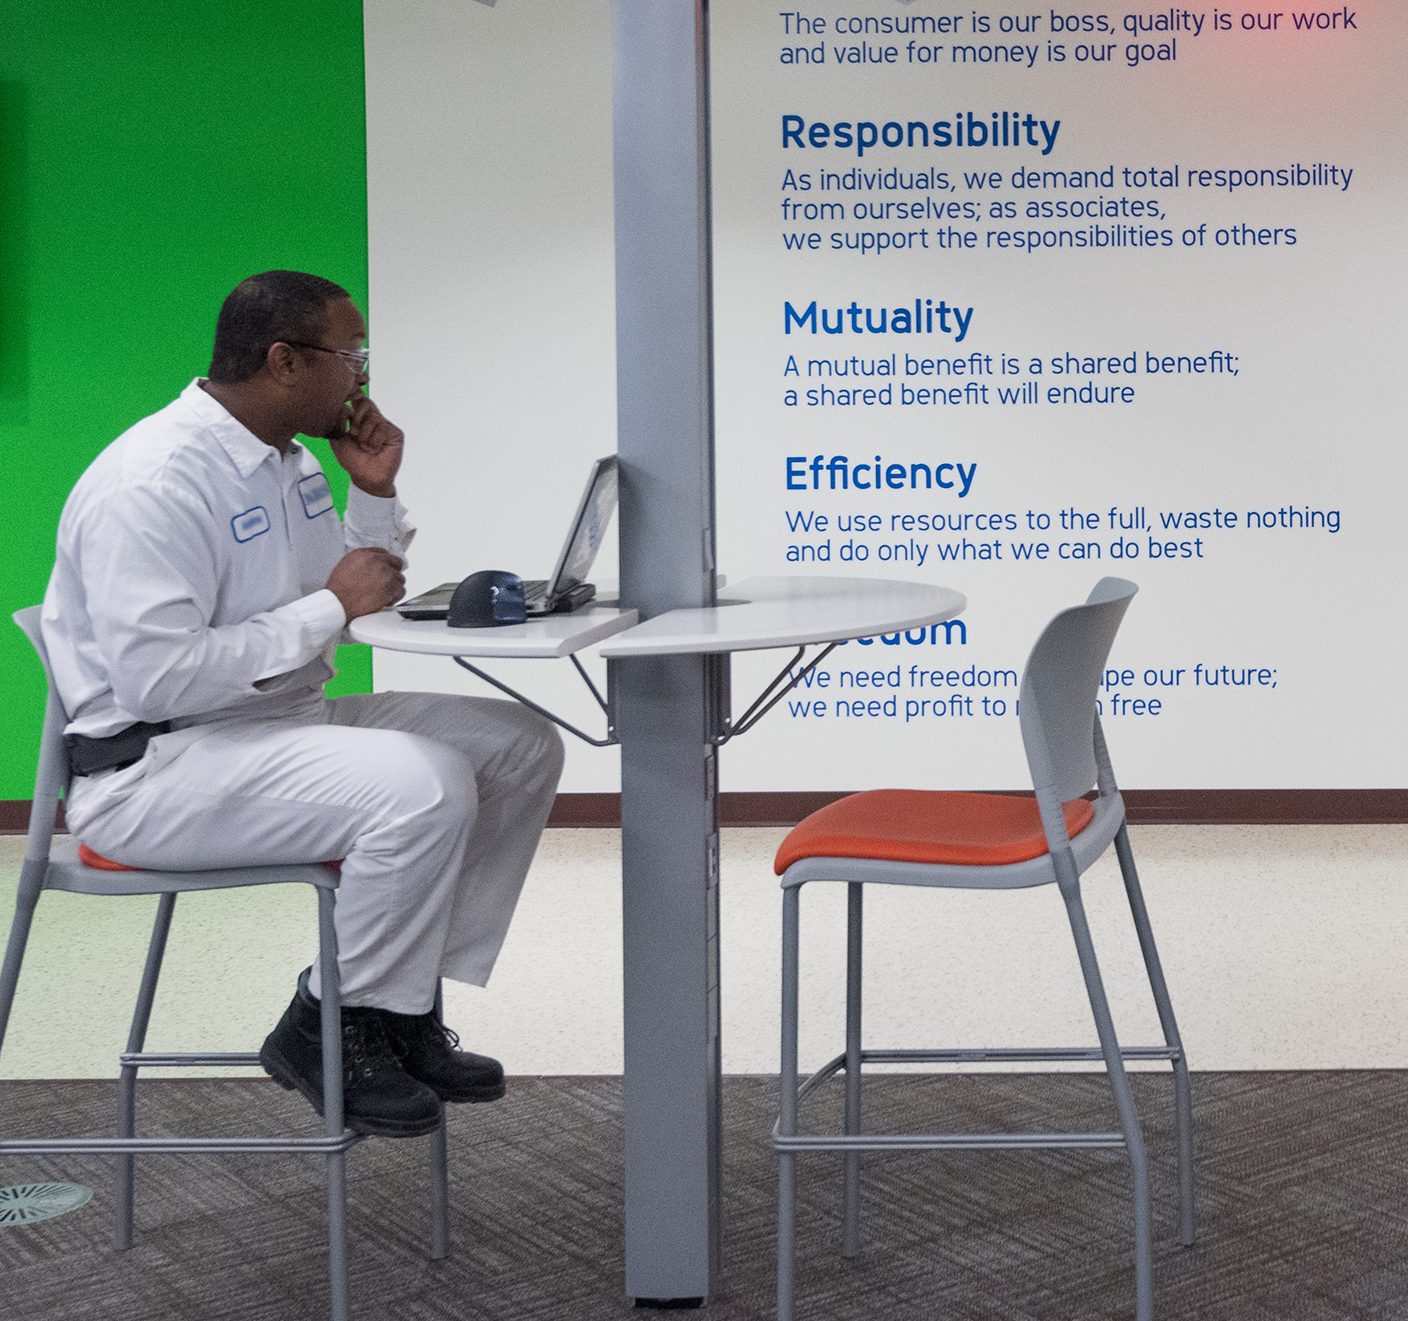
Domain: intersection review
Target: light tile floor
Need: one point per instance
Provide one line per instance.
(1283, 946)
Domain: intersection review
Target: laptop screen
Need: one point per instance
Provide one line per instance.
(588, 528)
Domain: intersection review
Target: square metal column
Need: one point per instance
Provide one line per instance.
(665, 705)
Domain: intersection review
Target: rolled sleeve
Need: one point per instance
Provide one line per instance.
(377, 521)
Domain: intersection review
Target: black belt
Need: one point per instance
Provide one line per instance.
(87, 756)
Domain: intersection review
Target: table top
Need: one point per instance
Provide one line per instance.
(789, 611)
(551, 635)
(751, 615)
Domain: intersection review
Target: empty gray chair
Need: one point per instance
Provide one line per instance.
(987, 841)
(52, 863)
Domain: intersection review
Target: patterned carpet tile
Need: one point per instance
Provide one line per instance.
(1303, 1202)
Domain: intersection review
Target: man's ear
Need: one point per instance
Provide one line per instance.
(281, 362)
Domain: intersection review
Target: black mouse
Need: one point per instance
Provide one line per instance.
(487, 599)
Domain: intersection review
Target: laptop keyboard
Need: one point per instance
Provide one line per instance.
(535, 591)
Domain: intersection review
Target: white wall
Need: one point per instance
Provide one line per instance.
(493, 296)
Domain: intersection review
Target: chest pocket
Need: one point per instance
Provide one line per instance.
(316, 495)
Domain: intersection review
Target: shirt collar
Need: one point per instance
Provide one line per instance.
(245, 449)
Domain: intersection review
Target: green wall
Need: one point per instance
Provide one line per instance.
(151, 155)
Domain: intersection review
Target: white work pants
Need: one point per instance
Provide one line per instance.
(434, 803)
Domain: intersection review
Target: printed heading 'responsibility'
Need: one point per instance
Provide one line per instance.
(995, 128)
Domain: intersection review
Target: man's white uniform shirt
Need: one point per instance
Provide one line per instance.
(189, 581)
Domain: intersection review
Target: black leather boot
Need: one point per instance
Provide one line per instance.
(378, 1095)
(427, 1051)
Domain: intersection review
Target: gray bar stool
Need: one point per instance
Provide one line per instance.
(987, 841)
(52, 863)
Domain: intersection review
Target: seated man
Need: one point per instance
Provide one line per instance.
(202, 582)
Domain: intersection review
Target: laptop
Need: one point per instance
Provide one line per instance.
(568, 588)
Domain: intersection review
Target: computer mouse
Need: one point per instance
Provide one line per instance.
(487, 599)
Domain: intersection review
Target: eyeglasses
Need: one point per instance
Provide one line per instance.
(359, 358)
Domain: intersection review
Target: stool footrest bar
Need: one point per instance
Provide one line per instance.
(949, 1142)
(827, 1070)
(317, 1146)
(980, 1055)
(176, 1060)
(975, 1055)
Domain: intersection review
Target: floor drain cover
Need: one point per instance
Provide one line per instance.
(29, 1203)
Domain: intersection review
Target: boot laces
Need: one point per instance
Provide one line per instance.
(365, 1050)
(431, 1034)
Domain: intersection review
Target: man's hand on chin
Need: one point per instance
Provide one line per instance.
(369, 448)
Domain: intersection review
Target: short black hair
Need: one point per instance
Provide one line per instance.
(266, 309)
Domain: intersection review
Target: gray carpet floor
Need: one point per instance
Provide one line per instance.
(1303, 1201)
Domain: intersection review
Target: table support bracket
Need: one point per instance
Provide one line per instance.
(609, 741)
(781, 685)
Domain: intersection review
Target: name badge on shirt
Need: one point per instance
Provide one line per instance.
(250, 524)
(316, 495)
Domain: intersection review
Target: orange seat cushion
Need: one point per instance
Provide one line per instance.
(928, 825)
(89, 858)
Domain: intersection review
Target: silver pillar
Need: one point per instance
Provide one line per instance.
(664, 705)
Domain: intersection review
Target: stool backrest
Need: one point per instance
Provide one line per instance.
(1059, 689)
(51, 778)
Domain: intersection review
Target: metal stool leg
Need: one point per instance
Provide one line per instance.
(332, 1103)
(850, 1210)
(1182, 1087)
(127, 1076)
(439, 1160)
(787, 1111)
(1119, 1085)
(26, 901)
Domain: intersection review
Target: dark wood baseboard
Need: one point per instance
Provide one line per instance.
(1310, 807)
(1181, 807)
(1267, 807)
